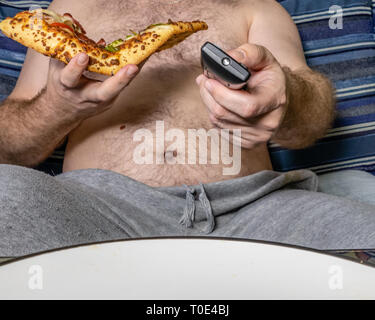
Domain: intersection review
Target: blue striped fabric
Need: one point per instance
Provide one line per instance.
(12, 54)
(346, 56)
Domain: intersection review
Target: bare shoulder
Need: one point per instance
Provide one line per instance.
(257, 8)
(73, 6)
(259, 4)
(271, 26)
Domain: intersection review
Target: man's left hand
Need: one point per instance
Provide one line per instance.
(259, 110)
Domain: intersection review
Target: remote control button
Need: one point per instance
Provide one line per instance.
(226, 62)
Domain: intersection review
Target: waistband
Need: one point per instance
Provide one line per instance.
(199, 203)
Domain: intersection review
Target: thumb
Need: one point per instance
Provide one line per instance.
(72, 73)
(253, 56)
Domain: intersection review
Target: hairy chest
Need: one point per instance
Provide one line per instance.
(116, 19)
(165, 90)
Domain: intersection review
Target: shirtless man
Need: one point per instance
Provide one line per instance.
(104, 195)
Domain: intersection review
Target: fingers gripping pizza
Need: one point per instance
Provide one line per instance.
(62, 37)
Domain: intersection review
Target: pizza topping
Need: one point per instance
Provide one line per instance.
(52, 15)
(75, 22)
(155, 27)
(69, 24)
(62, 25)
(67, 19)
(117, 43)
(111, 48)
(114, 46)
(101, 43)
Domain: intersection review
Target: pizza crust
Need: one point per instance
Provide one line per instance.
(54, 42)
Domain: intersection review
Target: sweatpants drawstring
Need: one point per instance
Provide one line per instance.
(189, 211)
(188, 217)
(208, 210)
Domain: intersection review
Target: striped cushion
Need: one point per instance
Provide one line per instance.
(346, 56)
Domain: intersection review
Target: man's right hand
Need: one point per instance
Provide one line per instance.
(68, 89)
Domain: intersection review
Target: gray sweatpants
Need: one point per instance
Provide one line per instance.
(39, 212)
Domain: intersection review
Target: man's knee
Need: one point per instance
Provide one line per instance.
(351, 184)
(346, 176)
(20, 185)
(308, 219)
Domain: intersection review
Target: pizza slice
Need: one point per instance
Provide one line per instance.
(62, 37)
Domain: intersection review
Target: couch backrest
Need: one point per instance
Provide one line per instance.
(347, 57)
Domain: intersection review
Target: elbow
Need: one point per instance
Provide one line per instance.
(22, 160)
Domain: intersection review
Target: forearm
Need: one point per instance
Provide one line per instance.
(310, 109)
(31, 130)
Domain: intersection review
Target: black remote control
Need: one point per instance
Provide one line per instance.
(218, 65)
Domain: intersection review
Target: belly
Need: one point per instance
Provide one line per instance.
(158, 132)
